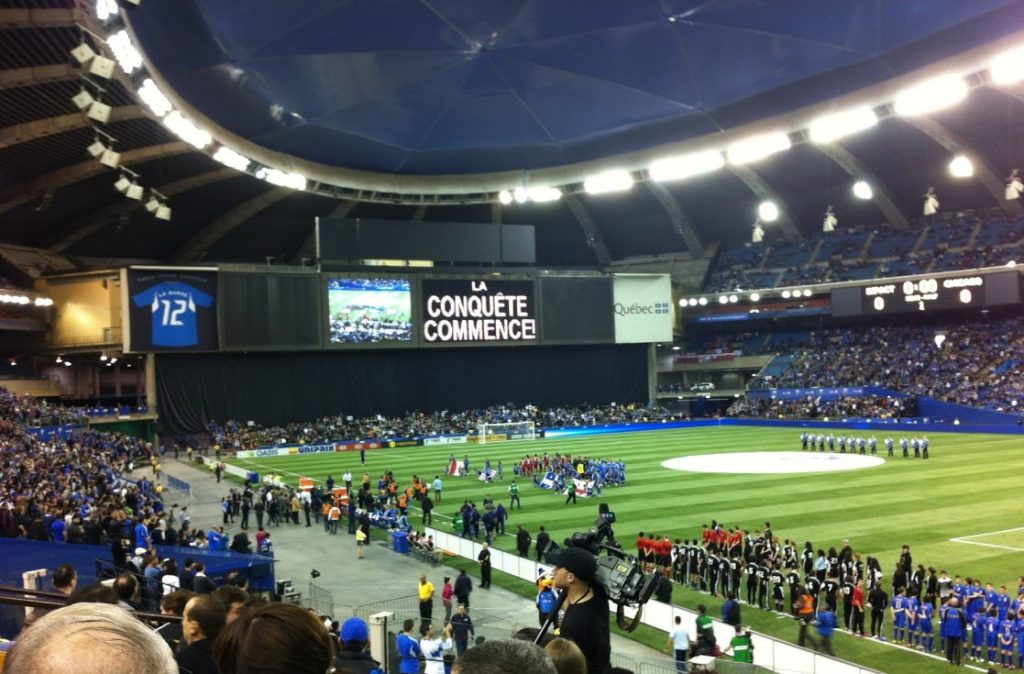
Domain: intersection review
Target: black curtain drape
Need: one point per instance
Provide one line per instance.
(275, 388)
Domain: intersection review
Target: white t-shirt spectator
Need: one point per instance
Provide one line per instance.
(680, 638)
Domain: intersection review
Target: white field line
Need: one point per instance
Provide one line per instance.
(968, 541)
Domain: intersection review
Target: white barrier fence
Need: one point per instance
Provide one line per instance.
(778, 656)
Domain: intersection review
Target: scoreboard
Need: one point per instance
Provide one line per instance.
(927, 293)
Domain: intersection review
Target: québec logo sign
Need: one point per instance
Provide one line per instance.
(636, 309)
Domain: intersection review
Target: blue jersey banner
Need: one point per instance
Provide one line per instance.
(172, 310)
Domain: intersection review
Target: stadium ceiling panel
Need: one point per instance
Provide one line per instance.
(452, 93)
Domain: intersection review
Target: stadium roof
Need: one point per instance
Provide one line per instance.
(408, 109)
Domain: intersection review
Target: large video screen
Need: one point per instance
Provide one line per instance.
(369, 310)
(481, 311)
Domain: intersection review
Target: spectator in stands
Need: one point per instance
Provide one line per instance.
(127, 588)
(95, 593)
(65, 579)
(353, 655)
(89, 639)
(234, 600)
(275, 639)
(567, 656)
(173, 604)
(504, 656)
(203, 619)
(202, 584)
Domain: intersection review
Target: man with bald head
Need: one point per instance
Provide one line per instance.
(90, 639)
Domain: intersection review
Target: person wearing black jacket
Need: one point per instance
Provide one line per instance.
(523, 541)
(543, 541)
(878, 600)
(463, 587)
(204, 618)
(462, 629)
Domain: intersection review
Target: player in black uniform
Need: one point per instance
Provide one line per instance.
(847, 591)
(712, 567)
(793, 578)
(723, 575)
(778, 580)
(831, 589)
(751, 582)
(813, 586)
(762, 585)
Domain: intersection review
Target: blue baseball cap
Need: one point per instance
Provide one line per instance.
(355, 629)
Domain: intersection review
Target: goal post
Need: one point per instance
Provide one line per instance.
(516, 430)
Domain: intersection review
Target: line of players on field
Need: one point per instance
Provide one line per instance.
(731, 562)
(811, 441)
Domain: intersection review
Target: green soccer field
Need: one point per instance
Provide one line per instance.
(967, 490)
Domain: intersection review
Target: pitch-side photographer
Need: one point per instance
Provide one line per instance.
(585, 617)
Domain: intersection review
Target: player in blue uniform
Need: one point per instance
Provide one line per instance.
(1006, 635)
(899, 615)
(913, 629)
(977, 623)
(1003, 603)
(992, 634)
(1018, 629)
(924, 621)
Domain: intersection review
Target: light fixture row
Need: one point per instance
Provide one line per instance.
(735, 297)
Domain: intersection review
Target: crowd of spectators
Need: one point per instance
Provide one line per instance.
(237, 435)
(978, 364)
(843, 255)
(30, 411)
(813, 407)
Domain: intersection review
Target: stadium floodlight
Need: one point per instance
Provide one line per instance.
(504, 196)
(83, 99)
(110, 158)
(232, 159)
(615, 180)
(1007, 67)
(940, 339)
(692, 302)
(961, 167)
(807, 292)
(99, 111)
(273, 176)
(520, 195)
(155, 99)
(832, 127)
(1011, 264)
(152, 204)
(755, 297)
(733, 299)
(134, 191)
(785, 294)
(685, 166)
(67, 363)
(930, 95)
(106, 9)
(757, 236)
(83, 53)
(828, 225)
(127, 56)
(703, 301)
(723, 299)
(768, 211)
(187, 131)
(122, 183)
(862, 190)
(756, 148)
(931, 202)
(1014, 186)
(163, 212)
(542, 195)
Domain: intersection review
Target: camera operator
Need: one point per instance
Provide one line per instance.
(585, 618)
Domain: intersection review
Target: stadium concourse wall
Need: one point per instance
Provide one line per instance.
(768, 652)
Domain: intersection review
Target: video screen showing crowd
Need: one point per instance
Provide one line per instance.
(984, 623)
(860, 445)
(369, 310)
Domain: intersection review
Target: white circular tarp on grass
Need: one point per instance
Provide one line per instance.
(771, 462)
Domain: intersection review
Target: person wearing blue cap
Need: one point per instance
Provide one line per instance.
(353, 655)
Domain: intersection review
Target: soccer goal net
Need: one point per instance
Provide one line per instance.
(519, 430)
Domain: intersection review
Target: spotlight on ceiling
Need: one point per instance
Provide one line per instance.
(862, 190)
(1014, 186)
(83, 53)
(83, 99)
(155, 99)
(163, 212)
(767, 211)
(961, 167)
(101, 66)
(504, 196)
(99, 111)
(122, 183)
(757, 235)
(110, 158)
(616, 180)
(931, 202)
(134, 191)
(542, 195)
(152, 204)
(96, 148)
(830, 221)
(930, 95)
(520, 195)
